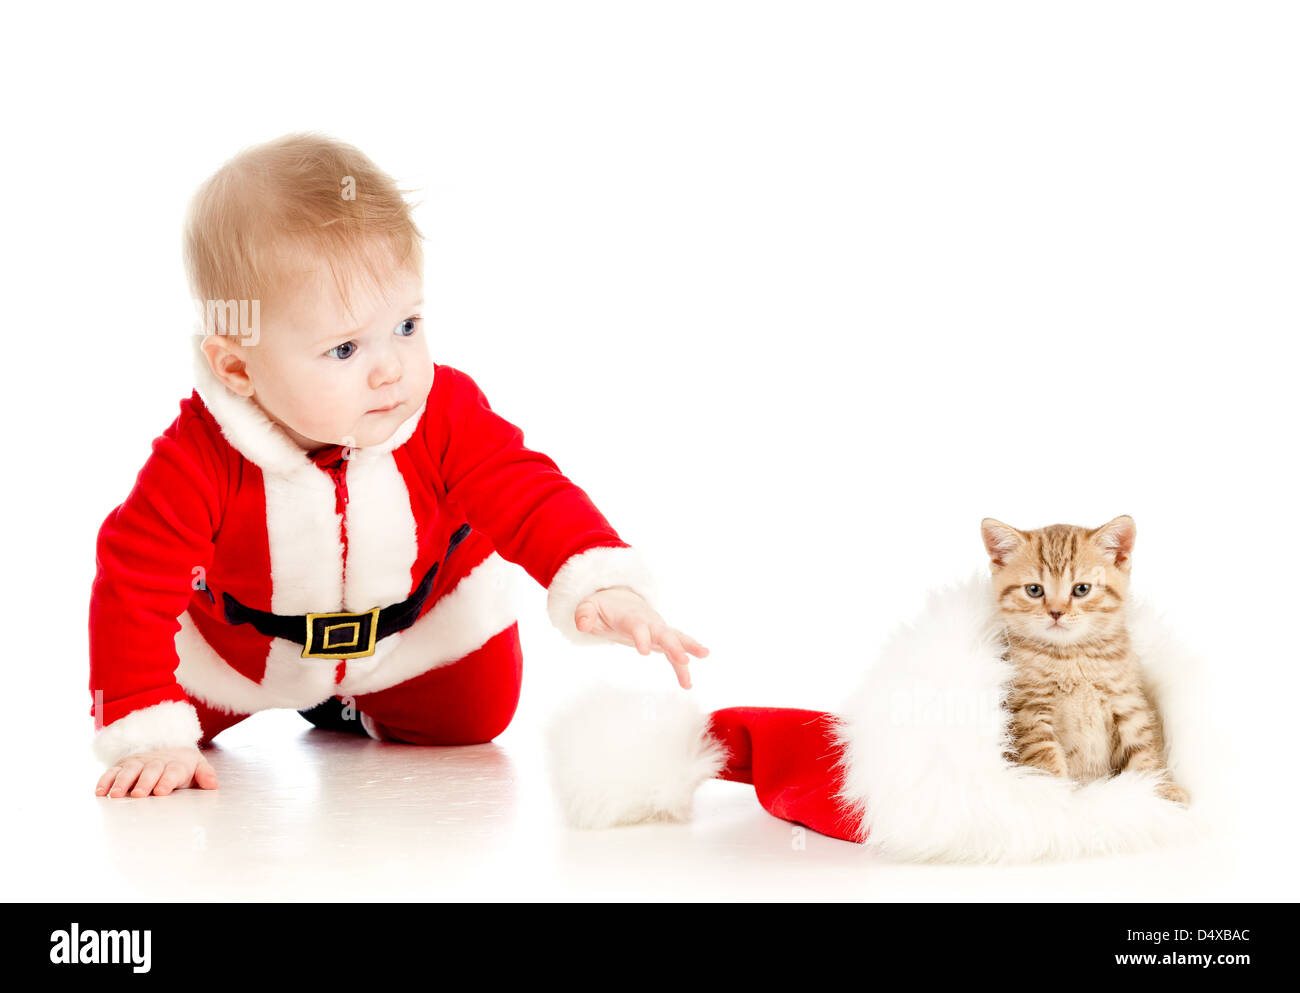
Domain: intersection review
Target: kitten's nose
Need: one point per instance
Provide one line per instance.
(1056, 614)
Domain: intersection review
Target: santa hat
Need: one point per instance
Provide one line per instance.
(912, 767)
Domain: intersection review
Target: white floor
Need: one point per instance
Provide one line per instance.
(304, 814)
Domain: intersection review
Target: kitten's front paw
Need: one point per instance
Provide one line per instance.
(1170, 791)
(1046, 756)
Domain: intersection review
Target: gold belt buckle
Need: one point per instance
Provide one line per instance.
(351, 636)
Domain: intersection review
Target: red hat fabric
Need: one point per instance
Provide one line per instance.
(792, 759)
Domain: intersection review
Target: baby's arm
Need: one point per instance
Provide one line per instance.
(540, 519)
(150, 553)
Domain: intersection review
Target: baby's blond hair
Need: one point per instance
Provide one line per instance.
(303, 195)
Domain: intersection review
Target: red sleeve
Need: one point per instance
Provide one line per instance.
(147, 553)
(534, 514)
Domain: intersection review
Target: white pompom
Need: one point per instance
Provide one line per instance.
(620, 756)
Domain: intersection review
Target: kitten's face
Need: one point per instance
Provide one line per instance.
(1061, 584)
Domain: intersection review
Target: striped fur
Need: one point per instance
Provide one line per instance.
(1078, 707)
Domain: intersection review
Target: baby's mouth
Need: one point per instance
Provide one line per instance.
(385, 410)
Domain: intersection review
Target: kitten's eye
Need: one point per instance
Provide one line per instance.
(407, 327)
(347, 349)
(1034, 590)
(1082, 589)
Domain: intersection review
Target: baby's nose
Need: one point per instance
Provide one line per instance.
(385, 373)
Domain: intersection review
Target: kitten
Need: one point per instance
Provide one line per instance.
(1078, 707)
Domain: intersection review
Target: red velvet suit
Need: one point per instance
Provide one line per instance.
(228, 504)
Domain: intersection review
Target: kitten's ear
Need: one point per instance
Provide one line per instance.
(1000, 540)
(1116, 538)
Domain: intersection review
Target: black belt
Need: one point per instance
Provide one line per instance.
(341, 635)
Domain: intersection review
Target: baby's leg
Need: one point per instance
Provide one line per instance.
(467, 702)
(213, 721)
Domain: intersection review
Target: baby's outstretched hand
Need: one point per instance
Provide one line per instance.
(159, 772)
(625, 617)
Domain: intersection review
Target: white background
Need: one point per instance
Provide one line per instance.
(798, 292)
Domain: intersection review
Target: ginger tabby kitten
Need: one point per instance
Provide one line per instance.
(1078, 707)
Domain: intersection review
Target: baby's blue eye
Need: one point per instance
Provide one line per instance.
(349, 346)
(407, 327)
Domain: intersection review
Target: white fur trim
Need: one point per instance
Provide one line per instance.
(382, 545)
(923, 740)
(483, 604)
(619, 756)
(304, 541)
(258, 438)
(171, 724)
(585, 573)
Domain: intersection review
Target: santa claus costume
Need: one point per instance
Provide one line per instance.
(913, 767)
(242, 573)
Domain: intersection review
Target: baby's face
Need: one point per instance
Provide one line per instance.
(331, 379)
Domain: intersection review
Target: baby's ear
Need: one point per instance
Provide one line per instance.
(1000, 540)
(1116, 539)
(225, 359)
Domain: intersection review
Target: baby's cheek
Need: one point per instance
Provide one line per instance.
(326, 412)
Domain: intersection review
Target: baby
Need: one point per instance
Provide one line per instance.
(326, 525)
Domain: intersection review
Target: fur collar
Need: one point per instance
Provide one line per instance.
(259, 439)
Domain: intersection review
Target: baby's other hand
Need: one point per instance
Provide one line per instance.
(159, 772)
(625, 617)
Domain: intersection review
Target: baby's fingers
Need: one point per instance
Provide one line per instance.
(106, 780)
(693, 646)
(641, 637)
(205, 776)
(683, 676)
(148, 777)
(587, 617)
(668, 642)
(175, 774)
(126, 777)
